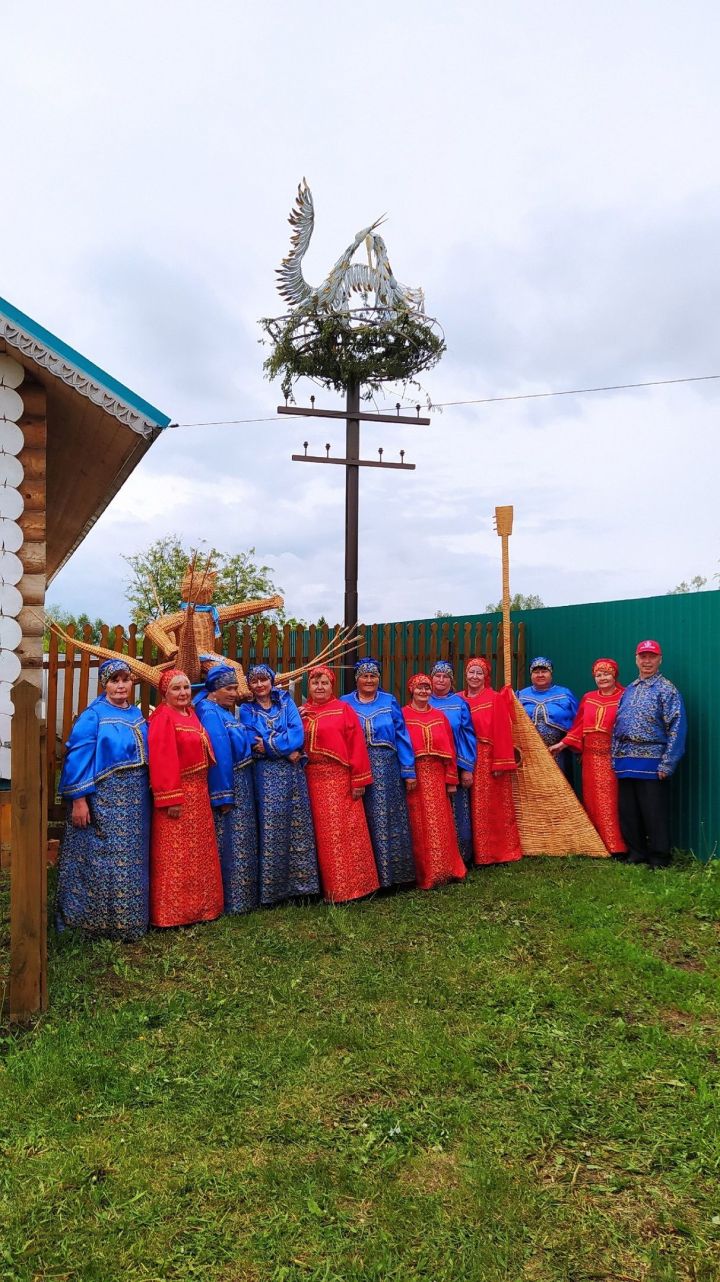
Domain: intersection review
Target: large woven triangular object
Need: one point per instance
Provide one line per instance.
(550, 818)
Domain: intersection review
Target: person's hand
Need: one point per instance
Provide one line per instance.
(498, 774)
(357, 793)
(410, 785)
(466, 778)
(662, 774)
(224, 810)
(259, 746)
(557, 747)
(173, 812)
(452, 787)
(294, 756)
(81, 816)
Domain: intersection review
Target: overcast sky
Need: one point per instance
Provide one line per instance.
(551, 178)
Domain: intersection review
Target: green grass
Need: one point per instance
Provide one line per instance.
(515, 1079)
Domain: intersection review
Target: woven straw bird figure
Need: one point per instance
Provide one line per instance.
(346, 277)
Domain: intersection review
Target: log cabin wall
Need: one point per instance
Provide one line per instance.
(33, 553)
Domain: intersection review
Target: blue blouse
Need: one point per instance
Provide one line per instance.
(457, 711)
(103, 739)
(650, 729)
(279, 726)
(384, 727)
(231, 745)
(551, 709)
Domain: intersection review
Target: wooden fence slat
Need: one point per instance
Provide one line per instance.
(273, 647)
(144, 688)
(398, 663)
(520, 679)
(28, 904)
(52, 744)
(231, 635)
(84, 680)
(386, 656)
(69, 691)
(132, 640)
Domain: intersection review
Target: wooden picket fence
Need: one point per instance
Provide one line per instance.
(402, 648)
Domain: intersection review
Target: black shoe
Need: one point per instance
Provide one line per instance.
(620, 856)
(659, 861)
(636, 857)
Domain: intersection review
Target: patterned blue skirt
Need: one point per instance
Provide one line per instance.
(103, 878)
(387, 817)
(463, 823)
(237, 841)
(288, 857)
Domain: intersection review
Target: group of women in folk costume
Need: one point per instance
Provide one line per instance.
(343, 797)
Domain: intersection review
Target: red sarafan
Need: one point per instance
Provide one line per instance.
(185, 878)
(338, 766)
(496, 839)
(434, 839)
(591, 734)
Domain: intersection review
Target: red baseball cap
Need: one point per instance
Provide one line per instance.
(648, 647)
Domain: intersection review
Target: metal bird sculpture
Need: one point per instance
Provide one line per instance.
(346, 277)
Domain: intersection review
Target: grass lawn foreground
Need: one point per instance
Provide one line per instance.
(513, 1079)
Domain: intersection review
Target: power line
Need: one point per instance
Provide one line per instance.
(488, 400)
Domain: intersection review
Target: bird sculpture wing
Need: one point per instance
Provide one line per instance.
(291, 283)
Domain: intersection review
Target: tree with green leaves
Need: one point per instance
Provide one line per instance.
(518, 602)
(157, 573)
(65, 619)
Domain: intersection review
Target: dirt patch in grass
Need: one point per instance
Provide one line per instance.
(682, 956)
(432, 1172)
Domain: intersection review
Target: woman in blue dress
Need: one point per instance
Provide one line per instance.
(230, 784)
(551, 708)
(103, 872)
(393, 769)
(288, 857)
(458, 713)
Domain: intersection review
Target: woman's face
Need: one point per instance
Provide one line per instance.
(118, 689)
(320, 687)
(226, 696)
(367, 684)
(541, 678)
(441, 684)
(604, 680)
(421, 694)
(474, 677)
(260, 686)
(178, 693)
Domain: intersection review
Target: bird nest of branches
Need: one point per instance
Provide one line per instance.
(370, 345)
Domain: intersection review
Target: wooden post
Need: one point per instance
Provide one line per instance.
(28, 873)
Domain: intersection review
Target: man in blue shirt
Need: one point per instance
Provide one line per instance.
(648, 742)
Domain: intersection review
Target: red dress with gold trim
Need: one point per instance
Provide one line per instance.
(496, 839)
(185, 878)
(338, 762)
(591, 734)
(432, 827)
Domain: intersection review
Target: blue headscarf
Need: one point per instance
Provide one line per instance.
(541, 662)
(110, 668)
(261, 670)
(219, 676)
(442, 665)
(368, 666)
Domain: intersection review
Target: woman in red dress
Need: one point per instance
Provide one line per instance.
(590, 734)
(432, 827)
(338, 771)
(496, 839)
(185, 878)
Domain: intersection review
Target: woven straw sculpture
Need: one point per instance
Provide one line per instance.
(550, 818)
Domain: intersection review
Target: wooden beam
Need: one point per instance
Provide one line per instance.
(28, 875)
(301, 411)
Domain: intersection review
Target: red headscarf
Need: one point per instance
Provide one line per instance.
(166, 678)
(479, 661)
(328, 672)
(418, 676)
(606, 663)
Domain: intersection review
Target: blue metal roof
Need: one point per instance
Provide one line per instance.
(81, 363)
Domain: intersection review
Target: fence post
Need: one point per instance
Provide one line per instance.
(28, 872)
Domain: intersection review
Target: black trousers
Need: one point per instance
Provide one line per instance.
(644, 809)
